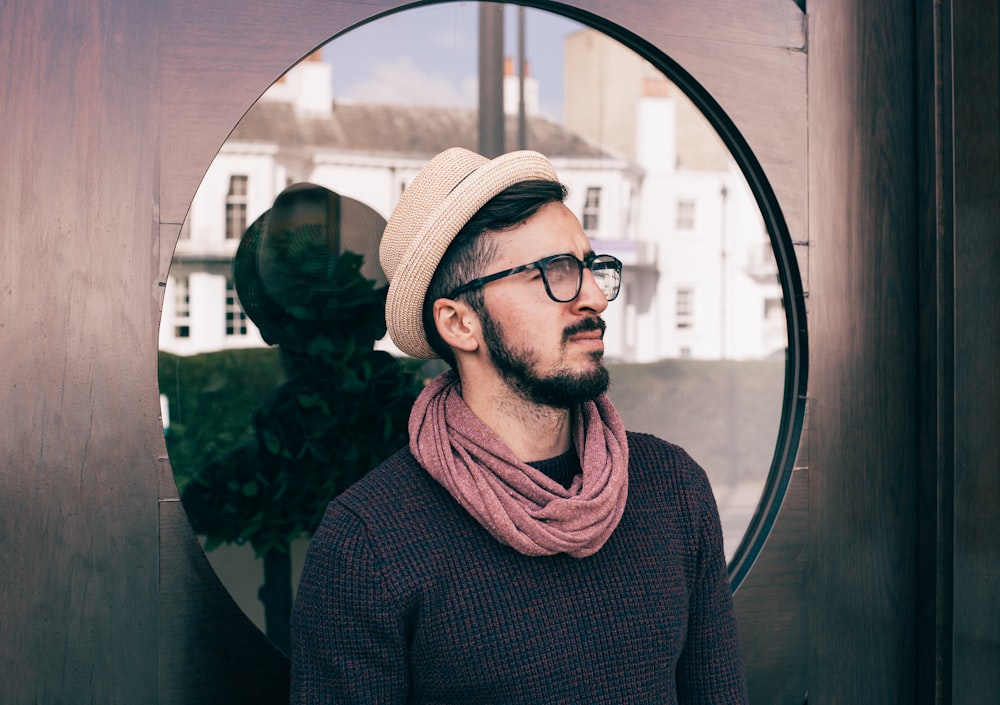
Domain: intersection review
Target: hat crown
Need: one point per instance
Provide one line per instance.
(442, 198)
(427, 191)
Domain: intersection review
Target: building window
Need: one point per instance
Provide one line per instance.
(685, 308)
(182, 308)
(592, 209)
(685, 214)
(236, 319)
(236, 207)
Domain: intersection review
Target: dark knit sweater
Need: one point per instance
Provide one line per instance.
(406, 599)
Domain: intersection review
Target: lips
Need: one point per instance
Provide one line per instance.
(586, 329)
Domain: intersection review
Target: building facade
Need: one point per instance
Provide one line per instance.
(661, 195)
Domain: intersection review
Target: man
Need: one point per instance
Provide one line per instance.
(524, 548)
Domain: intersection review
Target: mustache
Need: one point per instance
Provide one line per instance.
(587, 324)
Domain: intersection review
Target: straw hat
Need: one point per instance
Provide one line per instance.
(288, 264)
(447, 192)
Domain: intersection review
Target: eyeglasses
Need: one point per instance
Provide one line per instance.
(563, 276)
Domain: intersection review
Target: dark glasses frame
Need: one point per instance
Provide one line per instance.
(591, 261)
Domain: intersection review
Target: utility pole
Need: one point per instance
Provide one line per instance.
(522, 126)
(491, 113)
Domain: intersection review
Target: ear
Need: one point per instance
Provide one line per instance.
(457, 324)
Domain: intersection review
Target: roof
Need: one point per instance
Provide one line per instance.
(398, 130)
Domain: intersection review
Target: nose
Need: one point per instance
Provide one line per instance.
(591, 297)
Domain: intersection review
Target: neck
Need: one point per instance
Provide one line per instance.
(532, 431)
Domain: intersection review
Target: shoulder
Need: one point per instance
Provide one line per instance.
(647, 444)
(392, 482)
(663, 472)
(400, 513)
(649, 455)
(396, 493)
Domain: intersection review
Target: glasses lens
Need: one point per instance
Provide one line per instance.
(563, 276)
(608, 274)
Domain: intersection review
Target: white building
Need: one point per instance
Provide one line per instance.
(657, 191)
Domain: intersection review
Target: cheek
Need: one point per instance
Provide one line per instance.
(515, 327)
(537, 331)
(526, 321)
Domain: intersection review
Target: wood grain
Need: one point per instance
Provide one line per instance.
(976, 563)
(771, 605)
(864, 381)
(209, 651)
(78, 528)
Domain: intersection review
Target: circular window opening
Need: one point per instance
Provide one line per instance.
(706, 343)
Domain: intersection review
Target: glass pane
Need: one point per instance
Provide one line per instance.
(696, 341)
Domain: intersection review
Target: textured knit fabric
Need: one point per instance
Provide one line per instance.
(519, 505)
(405, 598)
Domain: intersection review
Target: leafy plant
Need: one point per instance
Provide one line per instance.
(336, 409)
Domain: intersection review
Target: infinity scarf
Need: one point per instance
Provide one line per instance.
(517, 504)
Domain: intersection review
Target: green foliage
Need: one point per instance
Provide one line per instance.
(212, 398)
(313, 438)
(263, 472)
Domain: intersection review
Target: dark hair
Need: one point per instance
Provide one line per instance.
(473, 249)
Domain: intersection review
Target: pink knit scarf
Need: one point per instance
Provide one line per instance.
(519, 505)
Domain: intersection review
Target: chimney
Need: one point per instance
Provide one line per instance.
(511, 89)
(307, 86)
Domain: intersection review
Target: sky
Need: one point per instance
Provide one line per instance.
(428, 56)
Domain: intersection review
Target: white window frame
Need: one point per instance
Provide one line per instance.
(686, 214)
(591, 217)
(236, 317)
(182, 307)
(684, 308)
(236, 206)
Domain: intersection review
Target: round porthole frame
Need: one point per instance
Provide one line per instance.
(796, 363)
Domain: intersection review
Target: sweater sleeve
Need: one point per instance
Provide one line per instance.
(348, 636)
(710, 670)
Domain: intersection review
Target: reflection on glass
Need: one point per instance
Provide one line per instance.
(696, 340)
(306, 274)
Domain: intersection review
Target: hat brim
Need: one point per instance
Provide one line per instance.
(266, 314)
(413, 273)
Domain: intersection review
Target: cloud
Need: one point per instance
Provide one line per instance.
(457, 40)
(402, 82)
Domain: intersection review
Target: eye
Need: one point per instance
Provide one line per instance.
(562, 268)
(534, 272)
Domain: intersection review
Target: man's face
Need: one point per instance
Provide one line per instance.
(549, 352)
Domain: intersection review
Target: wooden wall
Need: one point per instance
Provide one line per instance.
(78, 319)
(875, 122)
(967, 377)
(863, 439)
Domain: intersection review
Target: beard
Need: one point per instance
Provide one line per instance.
(561, 389)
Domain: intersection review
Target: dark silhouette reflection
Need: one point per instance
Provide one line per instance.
(307, 274)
